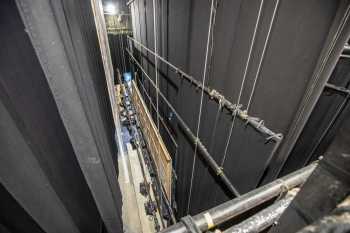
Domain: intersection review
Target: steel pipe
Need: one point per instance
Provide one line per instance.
(230, 209)
(264, 218)
(194, 140)
(346, 49)
(341, 90)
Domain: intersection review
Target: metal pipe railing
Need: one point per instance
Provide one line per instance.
(265, 218)
(219, 98)
(201, 148)
(230, 209)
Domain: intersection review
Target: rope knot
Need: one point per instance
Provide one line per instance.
(220, 171)
(276, 136)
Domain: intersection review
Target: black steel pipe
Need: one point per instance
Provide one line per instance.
(341, 90)
(346, 49)
(230, 209)
(194, 140)
(264, 218)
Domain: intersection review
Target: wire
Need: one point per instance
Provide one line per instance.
(262, 55)
(122, 52)
(212, 42)
(243, 81)
(155, 58)
(201, 101)
(212, 139)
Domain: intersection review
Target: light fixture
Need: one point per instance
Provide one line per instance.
(110, 8)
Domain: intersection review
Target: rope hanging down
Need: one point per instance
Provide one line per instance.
(262, 55)
(201, 101)
(252, 42)
(155, 58)
(120, 39)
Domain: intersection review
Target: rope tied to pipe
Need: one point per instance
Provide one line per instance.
(261, 123)
(220, 171)
(284, 188)
(237, 109)
(252, 119)
(220, 104)
(276, 136)
(196, 140)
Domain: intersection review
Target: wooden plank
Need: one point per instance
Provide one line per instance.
(155, 143)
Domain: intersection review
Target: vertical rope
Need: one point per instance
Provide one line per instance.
(155, 58)
(252, 42)
(201, 101)
(262, 55)
(212, 138)
(121, 53)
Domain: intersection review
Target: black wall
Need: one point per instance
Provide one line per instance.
(119, 60)
(43, 188)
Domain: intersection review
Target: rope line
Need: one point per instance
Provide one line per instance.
(252, 42)
(201, 101)
(155, 58)
(212, 138)
(262, 55)
(122, 52)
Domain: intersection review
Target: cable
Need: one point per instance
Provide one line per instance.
(243, 81)
(212, 42)
(201, 101)
(212, 138)
(262, 55)
(121, 55)
(155, 58)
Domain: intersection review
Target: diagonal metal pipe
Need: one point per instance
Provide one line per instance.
(265, 218)
(230, 209)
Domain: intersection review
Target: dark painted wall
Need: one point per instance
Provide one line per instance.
(42, 186)
(119, 60)
(297, 39)
(15, 218)
(26, 95)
